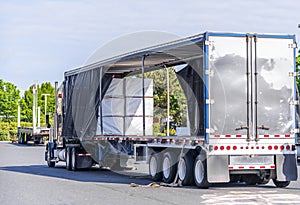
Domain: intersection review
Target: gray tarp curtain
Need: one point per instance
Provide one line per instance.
(191, 81)
(81, 102)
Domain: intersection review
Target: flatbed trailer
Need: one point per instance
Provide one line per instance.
(241, 98)
(38, 135)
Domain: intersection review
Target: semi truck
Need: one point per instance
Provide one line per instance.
(36, 134)
(241, 118)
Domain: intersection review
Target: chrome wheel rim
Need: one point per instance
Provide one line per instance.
(153, 166)
(199, 171)
(166, 167)
(181, 169)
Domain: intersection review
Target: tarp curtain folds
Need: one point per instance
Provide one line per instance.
(82, 99)
(191, 81)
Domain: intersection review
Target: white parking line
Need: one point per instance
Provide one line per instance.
(245, 197)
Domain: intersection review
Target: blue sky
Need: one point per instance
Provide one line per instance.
(40, 40)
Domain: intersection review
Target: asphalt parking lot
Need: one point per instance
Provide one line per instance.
(26, 179)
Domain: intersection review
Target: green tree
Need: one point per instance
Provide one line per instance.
(298, 68)
(27, 102)
(9, 99)
(177, 99)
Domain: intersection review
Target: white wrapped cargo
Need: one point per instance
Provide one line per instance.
(121, 110)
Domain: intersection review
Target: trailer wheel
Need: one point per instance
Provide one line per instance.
(169, 167)
(155, 167)
(200, 172)
(234, 178)
(68, 158)
(264, 180)
(251, 179)
(185, 169)
(50, 164)
(281, 184)
(73, 159)
(22, 139)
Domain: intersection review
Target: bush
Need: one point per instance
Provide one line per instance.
(9, 131)
(4, 135)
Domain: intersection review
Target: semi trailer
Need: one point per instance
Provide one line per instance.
(36, 133)
(241, 118)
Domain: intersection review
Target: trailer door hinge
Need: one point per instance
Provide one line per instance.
(209, 131)
(294, 131)
(293, 74)
(209, 43)
(210, 101)
(294, 102)
(293, 45)
(209, 72)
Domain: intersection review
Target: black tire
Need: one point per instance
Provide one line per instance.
(50, 164)
(25, 139)
(68, 158)
(251, 179)
(73, 159)
(155, 166)
(185, 169)
(263, 181)
(234, 178)
(281, 184)
(22, 138)
(169, 167)
(200, 172)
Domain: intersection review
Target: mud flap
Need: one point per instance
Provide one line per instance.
(84, 162)
(217, 169)
(286, 167)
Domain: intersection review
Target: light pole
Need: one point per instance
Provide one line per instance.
(45, 96)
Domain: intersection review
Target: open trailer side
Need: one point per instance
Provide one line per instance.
(241, 103)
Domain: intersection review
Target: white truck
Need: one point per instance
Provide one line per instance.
(38, 135)
(241, 102)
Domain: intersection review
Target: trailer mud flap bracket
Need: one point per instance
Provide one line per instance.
(217, 169)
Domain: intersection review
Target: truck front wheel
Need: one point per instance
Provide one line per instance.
(49, 162)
